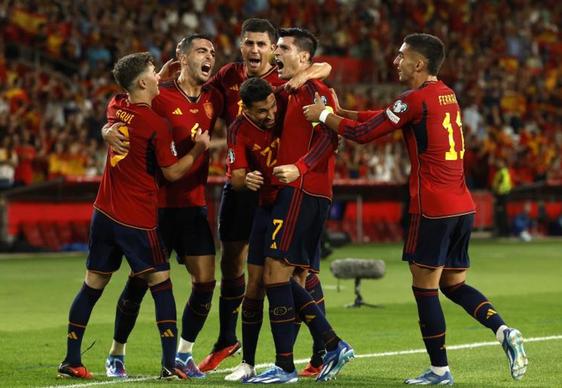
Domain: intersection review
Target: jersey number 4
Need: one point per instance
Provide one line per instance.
(448, 125)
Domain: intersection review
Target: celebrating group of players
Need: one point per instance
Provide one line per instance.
(283, 125)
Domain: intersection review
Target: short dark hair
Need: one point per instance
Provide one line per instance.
(127, 69)
(259, 25)
(304, 39)
(430, 47)
(184, 44)
(254, 89)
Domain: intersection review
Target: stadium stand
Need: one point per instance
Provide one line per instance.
(504, 64)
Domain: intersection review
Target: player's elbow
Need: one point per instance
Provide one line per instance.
(171, 173)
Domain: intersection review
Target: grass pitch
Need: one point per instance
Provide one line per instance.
(523, 281)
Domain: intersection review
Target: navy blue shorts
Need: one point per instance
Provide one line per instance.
(109, 240)
(236, 213)
(438, 242)
(295, 229)
(256, 250)
(186, 230)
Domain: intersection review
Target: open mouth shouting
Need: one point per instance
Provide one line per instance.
(206, 69)
(254, 63)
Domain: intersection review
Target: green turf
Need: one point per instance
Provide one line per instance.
(522, 280)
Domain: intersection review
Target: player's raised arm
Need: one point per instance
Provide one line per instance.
(319, 70)
(183, 165)
(169, 70)
(376, 126)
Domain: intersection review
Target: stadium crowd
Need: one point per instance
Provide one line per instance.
(504, 65)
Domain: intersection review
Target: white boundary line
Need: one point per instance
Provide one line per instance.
(303, 361)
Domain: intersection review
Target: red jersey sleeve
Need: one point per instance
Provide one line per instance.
(365, 115)
(404, 110)
(324, 142)
(236, 157)
(112, 107)
(166, 154)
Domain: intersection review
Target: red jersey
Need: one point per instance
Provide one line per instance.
(228, 80)
(253, 148)
(186, 117)
(309, 145)
(430, 118)
(128, 190)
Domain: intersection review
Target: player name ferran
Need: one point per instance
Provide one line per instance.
(447, 99)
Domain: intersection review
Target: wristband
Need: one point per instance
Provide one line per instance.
(324, 115)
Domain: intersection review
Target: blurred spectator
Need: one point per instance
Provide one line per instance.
(522, 224)
(8, 163)
(501, 187)
(504, 61)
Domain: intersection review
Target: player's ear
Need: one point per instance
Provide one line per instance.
(304, 56)
(141, 82)
(182, 57)
(421, 64)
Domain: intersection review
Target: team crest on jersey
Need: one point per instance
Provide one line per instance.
(173, 149)
(230, 157)
(399, 107)
(323, 99)
(208, 109)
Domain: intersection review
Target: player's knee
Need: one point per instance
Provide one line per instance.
(234, 255)
(128, 306)
(448, 290)
(276, 271)
(154, 278)
(202, 270)
(232, 266)
(254, 288)
(300, 277)
(97, 280)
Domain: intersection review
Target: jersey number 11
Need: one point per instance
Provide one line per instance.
(452, 154)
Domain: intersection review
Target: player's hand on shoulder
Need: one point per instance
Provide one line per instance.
(169, 69)
(286, 173)
(116, 138)
(202, 138)
(294, 83)
(312, 111)
(254, 180)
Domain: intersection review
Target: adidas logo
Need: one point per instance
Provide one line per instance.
(309, 318)
(167, 333)
(490, 313)
(235, 88)
(274, 245)
(177, 112)
(72, 335)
